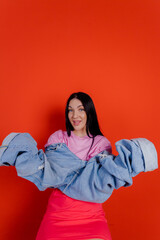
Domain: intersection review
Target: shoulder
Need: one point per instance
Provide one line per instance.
(102, 143)
(57, 137)
(101, 140)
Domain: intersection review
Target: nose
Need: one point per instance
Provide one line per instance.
(75, 114)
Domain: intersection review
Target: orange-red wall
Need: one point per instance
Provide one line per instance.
(109, 49)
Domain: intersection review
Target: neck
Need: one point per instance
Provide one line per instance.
(80, 133)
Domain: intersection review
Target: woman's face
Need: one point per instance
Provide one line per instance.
(77, 117)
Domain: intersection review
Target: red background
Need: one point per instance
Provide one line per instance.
(109, 49)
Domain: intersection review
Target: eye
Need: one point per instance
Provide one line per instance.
(70, 110)
(81, 109)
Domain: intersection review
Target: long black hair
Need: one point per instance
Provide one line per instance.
(92, 126)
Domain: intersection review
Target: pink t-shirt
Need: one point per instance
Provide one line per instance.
(81, 145)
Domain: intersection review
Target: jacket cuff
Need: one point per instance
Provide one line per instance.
(149, 153)
(5, 144)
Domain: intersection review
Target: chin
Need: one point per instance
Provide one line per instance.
(78, 129)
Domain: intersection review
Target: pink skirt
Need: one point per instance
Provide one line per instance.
(67, 218)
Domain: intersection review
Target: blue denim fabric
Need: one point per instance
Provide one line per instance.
(58, 167)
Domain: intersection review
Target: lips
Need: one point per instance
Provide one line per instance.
(76, 122)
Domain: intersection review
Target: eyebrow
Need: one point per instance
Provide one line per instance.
(77, 106)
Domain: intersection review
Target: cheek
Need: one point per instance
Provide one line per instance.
(85, 117)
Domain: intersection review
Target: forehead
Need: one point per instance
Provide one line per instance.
(74, 103)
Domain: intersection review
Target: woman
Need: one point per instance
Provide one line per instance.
(67, 218)
(79, 165)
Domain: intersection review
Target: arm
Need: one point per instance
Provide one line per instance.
(96, 182)
(43, 169)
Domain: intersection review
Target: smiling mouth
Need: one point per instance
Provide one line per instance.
(76, 123)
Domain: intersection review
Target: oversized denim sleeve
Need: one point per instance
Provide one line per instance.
(96, 182)
(43, 169)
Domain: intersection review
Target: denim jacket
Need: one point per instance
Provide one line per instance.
(58, 167)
